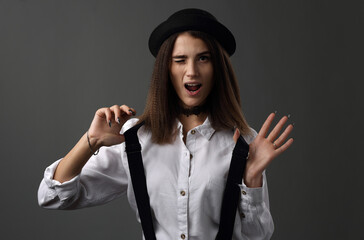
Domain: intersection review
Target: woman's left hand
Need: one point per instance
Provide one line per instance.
(264, 149)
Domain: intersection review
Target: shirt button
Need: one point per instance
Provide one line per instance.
(183, 193)
(193, 131)
(243, 192)
(183, 236)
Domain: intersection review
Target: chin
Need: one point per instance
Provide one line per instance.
(192, 104)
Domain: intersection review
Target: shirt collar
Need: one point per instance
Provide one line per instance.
(205, 129)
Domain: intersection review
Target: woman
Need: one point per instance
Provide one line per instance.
(187, 141)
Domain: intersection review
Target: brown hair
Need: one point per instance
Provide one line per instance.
(161, 108)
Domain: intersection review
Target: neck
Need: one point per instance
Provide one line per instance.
(193, 110)
(191, 117)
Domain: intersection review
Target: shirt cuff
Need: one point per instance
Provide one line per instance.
(251, 201)
(63, 190)
(251, 195)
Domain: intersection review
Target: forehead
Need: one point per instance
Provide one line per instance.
(187, 44)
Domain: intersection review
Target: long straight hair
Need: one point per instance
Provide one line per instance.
(162, 106)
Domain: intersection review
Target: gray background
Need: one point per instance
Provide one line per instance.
(62, 60)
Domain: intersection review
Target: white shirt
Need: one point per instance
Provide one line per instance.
(185, 185)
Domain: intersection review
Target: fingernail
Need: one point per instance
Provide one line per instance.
(289, 115)
(131, 111)
(109, 123)
(119, 120)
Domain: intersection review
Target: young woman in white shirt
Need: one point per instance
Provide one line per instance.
(192, 118)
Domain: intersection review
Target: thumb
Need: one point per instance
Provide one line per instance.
(122, 138)
(236, 135)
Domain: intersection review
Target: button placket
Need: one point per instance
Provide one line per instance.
(183, 186)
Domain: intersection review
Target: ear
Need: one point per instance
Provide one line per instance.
(236, 135)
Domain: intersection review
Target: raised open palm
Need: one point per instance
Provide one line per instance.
(265, 148)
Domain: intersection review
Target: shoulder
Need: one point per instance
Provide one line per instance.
(129, 124)
(143, 134)
(224, 137)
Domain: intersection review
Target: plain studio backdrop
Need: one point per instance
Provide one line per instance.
(62, 60)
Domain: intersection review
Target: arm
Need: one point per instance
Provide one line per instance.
(64, 187)
(256, 219)
(257, 222)
(102, 179)
(104, 131)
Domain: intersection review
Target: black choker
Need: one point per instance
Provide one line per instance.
(194, 110)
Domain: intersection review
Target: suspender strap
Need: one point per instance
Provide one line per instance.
(133, 148)
(232, 191)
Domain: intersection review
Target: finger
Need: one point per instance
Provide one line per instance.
(132, 111)
(122, 138)
(264, 130)
(117, 113)
(127, 110)
(277, 129)
(236, 135)
(100, 113)
(284, 147)
(284, 135)
(108, 115)
(103, 113)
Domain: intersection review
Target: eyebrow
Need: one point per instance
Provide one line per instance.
(185, 56)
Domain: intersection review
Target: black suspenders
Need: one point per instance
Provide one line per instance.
(231, 194)
(232, 190)
(136, 168)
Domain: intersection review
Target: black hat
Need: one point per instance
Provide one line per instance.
(192, 19)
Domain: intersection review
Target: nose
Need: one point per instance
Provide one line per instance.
(192, 69)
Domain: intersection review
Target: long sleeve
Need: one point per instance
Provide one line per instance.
(257, 222)
(102, 179)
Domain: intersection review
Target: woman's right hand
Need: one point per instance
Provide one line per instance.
(106, 125)
(104, 131)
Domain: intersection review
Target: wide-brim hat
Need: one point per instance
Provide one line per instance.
(192, 19)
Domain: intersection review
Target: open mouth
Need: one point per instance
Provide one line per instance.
(192, 87)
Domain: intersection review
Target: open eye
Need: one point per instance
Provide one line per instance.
(204, 58)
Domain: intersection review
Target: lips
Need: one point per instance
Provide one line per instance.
(192, 87)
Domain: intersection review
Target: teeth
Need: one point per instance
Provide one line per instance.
(192, 87)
